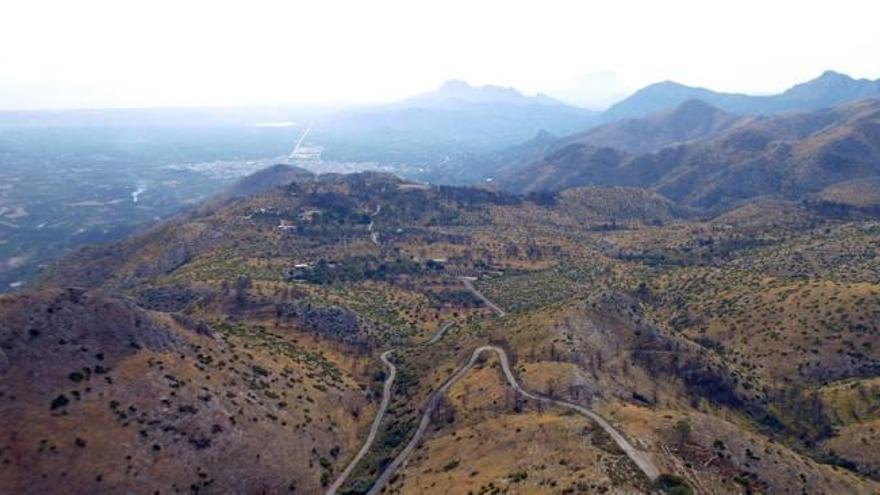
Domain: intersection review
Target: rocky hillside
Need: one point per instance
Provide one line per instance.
(789, 156)
(101, 396)
(244, 348)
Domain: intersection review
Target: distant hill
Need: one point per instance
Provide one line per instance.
(829, 89)
(617, 204)
(484, 167)
(459, 92)
(692, 119)
(790, 156)
(267, 178)
(455, 119)
(657, 116)
(849, 197)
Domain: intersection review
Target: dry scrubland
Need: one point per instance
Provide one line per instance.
(738, 350)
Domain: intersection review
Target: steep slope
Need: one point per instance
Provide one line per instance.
(789, 156)
(101, 396)
(829, 89)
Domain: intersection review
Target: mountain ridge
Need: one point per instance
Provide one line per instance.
(455, 90)
(829, 89)
(791, 155)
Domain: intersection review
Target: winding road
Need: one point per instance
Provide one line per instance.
(374, 428)
(383, 408)
(641, 459)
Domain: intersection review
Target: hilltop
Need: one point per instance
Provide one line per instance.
(689, 121)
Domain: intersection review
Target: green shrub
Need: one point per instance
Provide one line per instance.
(59, 401)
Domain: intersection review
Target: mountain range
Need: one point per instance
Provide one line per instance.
(701, 156)
(829, 89)
(677, 303)
(453, 120)
(462, 134)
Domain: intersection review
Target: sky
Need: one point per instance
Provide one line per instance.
(132, 53)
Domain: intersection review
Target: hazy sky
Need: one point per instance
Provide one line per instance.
(91, 53)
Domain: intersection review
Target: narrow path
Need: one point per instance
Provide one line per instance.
(374, 236)
(374, 428)
(440, 333)
(383, 408)
(641, 459)
(468, 282)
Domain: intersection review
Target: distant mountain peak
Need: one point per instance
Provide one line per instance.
(690, 110)
(834, 88)
(827, 77)
(455, 87)
(455, 84)
(456, 90)
(668, 83)
(665, 86)
(833, 74)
